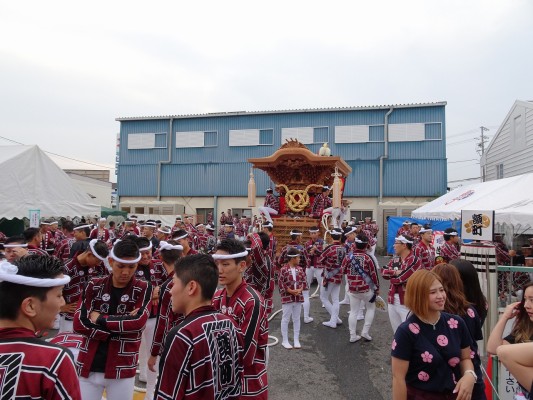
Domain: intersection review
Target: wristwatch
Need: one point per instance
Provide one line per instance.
(470, 371)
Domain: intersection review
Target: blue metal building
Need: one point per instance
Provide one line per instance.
(397, 154)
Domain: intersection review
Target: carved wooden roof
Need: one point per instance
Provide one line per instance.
(296, 166)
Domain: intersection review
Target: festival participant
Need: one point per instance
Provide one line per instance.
(178, 224)
(189, 226)
(100, 232)
(404, 229)
(414, 233)
(182, 237)
(47, 237)
(348, 240)
(112, 231)
(450, 250)
(166, 319)
(398, 271)
(112, 315)
(149, 228)
(229, 232)
(313, 247)
(268, 228)
(259, 274)
(30, 299)
(81, 268)
(431, 349)
(241, 230)
(81, 234)
(200, 238)
(518, 359)
(211, 240)
(246, 307)
(291, 282)
(331, 258)
(424, 250)
(270, 206)
(15, 247)
(134, 225)
(456, 303)
(471, 286)
(152, 271)
(130, 229)
(202, 358)
(363, 283)
(322, 201)
(33, 237)
(63, 247)
(371, 225)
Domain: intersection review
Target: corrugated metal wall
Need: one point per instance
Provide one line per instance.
(223, 170)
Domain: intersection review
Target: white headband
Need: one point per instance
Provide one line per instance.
(403, 240)
(91, 245)
(451, 234)
(167, 246)
(102, 219)
(229, 256)
(146, 248)
(82, 227)
(8, 273)
(359, 241)
(424, 230)
(352, 230)
(165, 231)
(293, 255)
(181, 237)
(121, 260)
(295, 233)
(7, 246)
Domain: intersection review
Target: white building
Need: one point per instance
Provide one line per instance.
(510, 151)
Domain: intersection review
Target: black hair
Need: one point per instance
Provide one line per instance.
(265, 239)
(336, 233)
(100, 248)
(179, 232)
(142, 242)
(35, 266)
(472, 289)
(170, 256)
(68, 226)
(18, 239)
(269, 228)
(126, 248)
(414, 224)
(361, 237)
(293, 251)
(111, 223)
(30, 233)
(409, 245)
(200, 268)
(87, 230)
(449, 230)
(232, 246)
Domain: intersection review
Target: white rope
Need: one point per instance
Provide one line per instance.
(229, 256)
(123, 261)
(9, 273)
(91, 245)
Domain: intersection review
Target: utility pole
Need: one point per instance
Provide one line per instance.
(481, 150)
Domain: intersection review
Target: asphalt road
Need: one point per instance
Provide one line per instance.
(328, 366)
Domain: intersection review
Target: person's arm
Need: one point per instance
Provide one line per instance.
(406, 274)
(65, 384)
(465, 385)
(496, 336)
(174, 368)
(518, 358)
(82, 323)
(399, 371)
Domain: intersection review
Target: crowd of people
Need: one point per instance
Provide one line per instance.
(189, 308)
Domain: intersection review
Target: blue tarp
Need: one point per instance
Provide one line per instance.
(394, 224)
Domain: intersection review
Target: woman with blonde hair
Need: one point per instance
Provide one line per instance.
(431, 349)
(456, 303)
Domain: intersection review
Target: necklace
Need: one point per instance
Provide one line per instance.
(433, 324)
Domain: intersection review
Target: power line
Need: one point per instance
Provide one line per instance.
(59, 155)
(453, 162)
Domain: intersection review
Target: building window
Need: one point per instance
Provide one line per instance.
(321, 135)
(196, 139)
(352, 134)
(144, 141)
(244, 137)
(266, 136)
(376, 133)
(433, 131)
(360, 215)
(304, 135)
(201, 215)
(499, 171)
(407, 132)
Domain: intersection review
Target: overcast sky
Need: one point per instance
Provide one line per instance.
(69, 68)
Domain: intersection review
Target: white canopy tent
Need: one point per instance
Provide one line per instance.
(32, 181)
(510, 198)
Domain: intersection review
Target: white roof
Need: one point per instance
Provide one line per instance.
(510, 198)
(32, 181)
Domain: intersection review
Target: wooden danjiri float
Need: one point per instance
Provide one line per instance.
(298, 175)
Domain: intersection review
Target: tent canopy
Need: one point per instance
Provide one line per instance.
(510, 198)
(32, 181)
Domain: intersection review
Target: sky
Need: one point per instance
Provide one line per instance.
(68, 68)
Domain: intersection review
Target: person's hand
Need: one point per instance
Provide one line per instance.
(511, 310)
(134, 312)
(155, 293)
(69, 308)
(464, 387)
(93, 316)
(151, 363)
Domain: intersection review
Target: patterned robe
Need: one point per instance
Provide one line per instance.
(408, 266)
(247, 309)
(331, 258)
(287, 281)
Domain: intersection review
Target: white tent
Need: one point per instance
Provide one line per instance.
(510, 198)
(32, 181)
